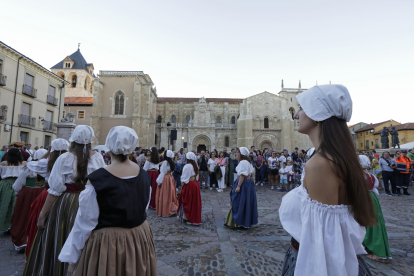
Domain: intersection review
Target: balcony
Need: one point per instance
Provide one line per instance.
(27, 121)
(52, 100)
(3, 79)
(29, 91)
(49, 126)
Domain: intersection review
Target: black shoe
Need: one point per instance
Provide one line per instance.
(407, 193)
(390, 194)
(399, 194)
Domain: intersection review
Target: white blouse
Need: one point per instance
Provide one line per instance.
(149, 165)
(212, 164)
(40, 167)
(188, 171)
(331, 238)
(21, 180)
(85, 222)
(64, 171)
(244, 168)
(165, 167)
(11, 171)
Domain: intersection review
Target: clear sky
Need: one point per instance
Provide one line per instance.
(233, 48)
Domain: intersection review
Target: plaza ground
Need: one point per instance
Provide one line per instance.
(212, 249)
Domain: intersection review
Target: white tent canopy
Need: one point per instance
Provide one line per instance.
(408, 145)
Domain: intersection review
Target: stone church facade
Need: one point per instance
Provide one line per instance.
(130, 98)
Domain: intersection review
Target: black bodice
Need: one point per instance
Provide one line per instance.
(122, 202)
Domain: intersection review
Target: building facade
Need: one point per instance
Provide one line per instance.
(31, 99)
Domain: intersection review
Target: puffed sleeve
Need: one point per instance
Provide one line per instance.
(86, 221)
(21, 180)
(146, 166)
(375, 190)
(39, 167)
(187, 173)
(244, 168)
(61, 168)
(165, 167)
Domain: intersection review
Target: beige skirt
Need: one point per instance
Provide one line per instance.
(119, 251)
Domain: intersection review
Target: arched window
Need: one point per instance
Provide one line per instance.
(227, 141)
(292, 112)
(266, 122)
(173, 119)
(159, 119)
(187, 119)
(85, 86)
(119, 103)
(218, 120)
(61, 74)
(74, 80)
(233, 120)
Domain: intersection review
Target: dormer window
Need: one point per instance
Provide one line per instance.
(67, 65)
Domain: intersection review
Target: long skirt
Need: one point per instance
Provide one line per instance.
(166, 197)
(376, 237)
(291, 257)
(43, 257)
(153, 175)
(189, 203)
(119, 251)
(35, 210)
(21, 212)
(7, 201)
(243, 205)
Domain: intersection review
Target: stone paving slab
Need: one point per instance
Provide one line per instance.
(213, 250)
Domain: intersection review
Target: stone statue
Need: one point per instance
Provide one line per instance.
(395, 140)
(69, 118)
(384, 138)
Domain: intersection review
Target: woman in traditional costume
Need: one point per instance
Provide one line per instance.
(327, 214)
(243, 207)
(28, 186)
(166, 196)
(42, 167)
(152, 166)
(189, 202)
(111, 235)
(376, 238)
(10, 171)
(66, 181)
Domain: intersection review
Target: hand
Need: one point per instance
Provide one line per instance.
(238, 189)
(71, 269)
(41, 222)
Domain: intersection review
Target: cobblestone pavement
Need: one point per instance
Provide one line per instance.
(212, 249)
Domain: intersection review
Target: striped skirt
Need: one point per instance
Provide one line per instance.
(43, 257)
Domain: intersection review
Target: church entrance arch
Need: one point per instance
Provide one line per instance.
(266, 144)
(201, 142)
(267, 140)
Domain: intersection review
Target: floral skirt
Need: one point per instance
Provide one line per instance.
(119, 251)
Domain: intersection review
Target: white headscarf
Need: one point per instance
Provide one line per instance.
(364, 161)
(170, 154)
(82, 135)
(59, 145)
(39, 153)
(121, 140)
(322, 102)
(191, 156)
(244, 151)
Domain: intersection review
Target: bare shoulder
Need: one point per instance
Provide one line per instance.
(4, 163)
(24, 163)
(321, 181)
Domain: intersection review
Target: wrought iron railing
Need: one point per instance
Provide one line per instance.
(29, 91)
(3, 79)
(52, 100)
(49, 126)
(25, 120)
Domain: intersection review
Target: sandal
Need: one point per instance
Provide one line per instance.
(377, 259)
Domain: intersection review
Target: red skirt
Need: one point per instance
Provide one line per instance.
(20, 216)
(153, 175)
(190, 202)
(31, 229)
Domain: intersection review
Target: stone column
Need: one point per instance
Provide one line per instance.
(65, 130)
